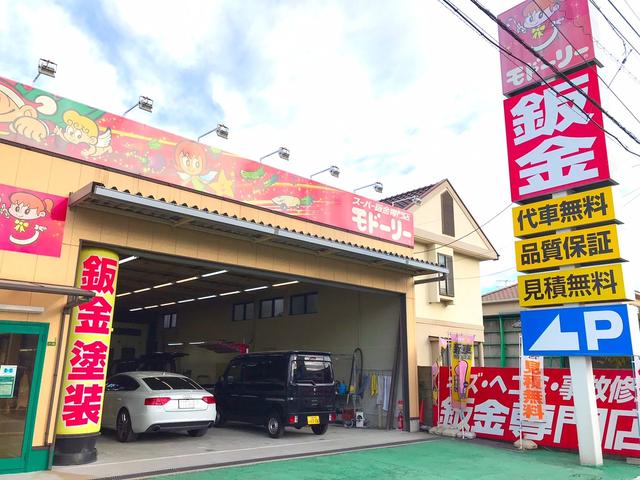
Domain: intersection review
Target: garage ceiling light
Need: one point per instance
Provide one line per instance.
(214, 273)
(285, 283)
(163, 285)
(123, 294)
(167, 304)
(187, 300)
(230, 293)
(135, 309)
(187, 279)
(206, 297)
(142, 290)
(255, 288)
(177, 344)
(128, 259)
(149, 307)
(196, 343)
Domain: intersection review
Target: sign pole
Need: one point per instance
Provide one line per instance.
(586, 411)
(520, 387)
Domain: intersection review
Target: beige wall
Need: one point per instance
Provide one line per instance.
(31, 170)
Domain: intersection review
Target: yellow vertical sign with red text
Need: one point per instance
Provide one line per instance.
(85, 365)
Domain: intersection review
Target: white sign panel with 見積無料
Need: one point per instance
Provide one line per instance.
(555, 139)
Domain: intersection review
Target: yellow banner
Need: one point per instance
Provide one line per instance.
(589, 284)
(576, 210)
(589, 245)
(85, 365)
(461, 363)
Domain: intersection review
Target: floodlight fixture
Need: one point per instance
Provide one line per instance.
(282, 152)
(377, 186)
(144, 103)
(46, 67)
(415, 200)
(221, 130)
(333, 170)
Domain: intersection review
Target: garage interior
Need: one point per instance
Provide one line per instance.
(192, 317)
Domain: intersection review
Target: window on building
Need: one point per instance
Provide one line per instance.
(446, 207)
(170, 320)
(272, 307)
(243, 311)
(305, 303)
(446, 285)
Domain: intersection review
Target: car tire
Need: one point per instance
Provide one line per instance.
(274, 425)
(124, 431)
(320, 429)
(199, 432)
(220, 419)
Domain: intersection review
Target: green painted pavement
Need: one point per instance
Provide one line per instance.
(450, 459)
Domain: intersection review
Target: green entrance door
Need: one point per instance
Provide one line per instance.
(22, 346)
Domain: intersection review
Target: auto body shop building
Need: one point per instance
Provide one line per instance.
(174, 246)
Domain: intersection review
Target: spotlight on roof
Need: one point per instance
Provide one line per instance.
(144, 103)
(46, 67)
(221, 130)
(333, 170)
(282, 152)
(377, 186)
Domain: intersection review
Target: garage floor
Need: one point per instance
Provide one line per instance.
(167, 453)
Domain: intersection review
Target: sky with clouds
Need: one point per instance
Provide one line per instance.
(395, 91)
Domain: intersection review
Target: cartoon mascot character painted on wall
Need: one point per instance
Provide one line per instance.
(23, 117)
(192, 165)
(539, 25)
(26, 208)
(81, 129)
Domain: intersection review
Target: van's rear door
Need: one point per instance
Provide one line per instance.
(313, 388)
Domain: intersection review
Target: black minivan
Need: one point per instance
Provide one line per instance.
(278, 389)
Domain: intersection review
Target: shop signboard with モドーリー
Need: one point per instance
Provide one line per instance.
(555, 141)
(47, 122)
(558, 30)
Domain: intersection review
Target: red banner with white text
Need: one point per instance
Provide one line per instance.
(493, 409)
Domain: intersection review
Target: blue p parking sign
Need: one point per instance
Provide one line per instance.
(604, 330)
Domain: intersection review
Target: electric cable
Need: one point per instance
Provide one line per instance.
(624, 18)
(613, 27)
(631, 9)
(502, 25)
(585, 60)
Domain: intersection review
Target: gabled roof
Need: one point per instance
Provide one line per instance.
(406, 199)
(505, 294)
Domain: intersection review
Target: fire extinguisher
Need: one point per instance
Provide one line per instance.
(400, 415)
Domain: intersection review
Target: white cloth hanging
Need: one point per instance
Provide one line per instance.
(384, 389)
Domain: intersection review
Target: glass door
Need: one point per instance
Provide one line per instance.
(22, 347)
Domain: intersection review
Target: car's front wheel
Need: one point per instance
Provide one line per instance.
(124, 430)
(197, 432)
(275, 428)
(320, 429)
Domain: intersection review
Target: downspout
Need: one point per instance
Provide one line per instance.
(503, 347)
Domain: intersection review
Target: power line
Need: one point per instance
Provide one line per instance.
(613, 27)
(585, 60)
(634, 13)
(485, 275)
(560, 74)
(624, 18)
(466, 234)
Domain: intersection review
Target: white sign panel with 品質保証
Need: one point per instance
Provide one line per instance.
(7, 380)
(603, 330)
(555, 141)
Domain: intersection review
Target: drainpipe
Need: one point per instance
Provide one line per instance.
(503, 347)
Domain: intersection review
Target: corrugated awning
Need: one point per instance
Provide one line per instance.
(97, 196)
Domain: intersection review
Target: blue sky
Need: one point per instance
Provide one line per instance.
(393, 91)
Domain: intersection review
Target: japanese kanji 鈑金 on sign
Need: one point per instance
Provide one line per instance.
(85, 365)
(576, 210)
(587, 245)
(554, 138)
(588, 284)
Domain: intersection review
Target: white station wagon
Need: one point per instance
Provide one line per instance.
(139, 402)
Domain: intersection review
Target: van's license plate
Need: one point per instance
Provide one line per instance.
(313, 420)
(186, 404)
